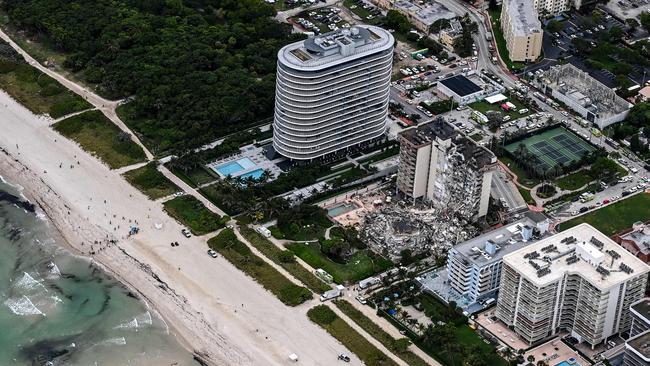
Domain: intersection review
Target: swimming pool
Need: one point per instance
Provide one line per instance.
(235, 166)
(340, 209)
(257, 173)
(570, 362)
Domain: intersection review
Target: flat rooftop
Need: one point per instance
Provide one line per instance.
(640, 344)
(524, 17)
(461, 85)
(490, 247)
(642, 308)
(585, 90)
(426, 14)
(440, 129)
(328, 49)
(640, 237)
(580, 250)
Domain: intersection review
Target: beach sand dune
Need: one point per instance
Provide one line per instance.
(217, 311)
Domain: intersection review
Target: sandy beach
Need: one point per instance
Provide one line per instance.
(216, 311)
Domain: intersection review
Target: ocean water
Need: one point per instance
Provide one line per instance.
(58, 309)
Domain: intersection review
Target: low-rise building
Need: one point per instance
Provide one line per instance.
(578, 281)
(474, 266)
(522, 30)
(585, 95)
(461, 89)
(421, 16)
(636, 240)
(448, 36)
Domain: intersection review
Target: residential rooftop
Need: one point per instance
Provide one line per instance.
(426, 14)
(640, 236)
(440, 130)
(492, 246)
(580, 250)
(329, 49)
(640, 344)
(524, 17)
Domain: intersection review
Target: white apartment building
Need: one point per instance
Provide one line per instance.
(522, 30)
(474, 266)
(578, 281)
(551, 7)
(332, 92)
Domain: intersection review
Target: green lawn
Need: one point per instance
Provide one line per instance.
(524, 178)
(151, 182)
(240, 256)
(36, 91)
(190, 211)
(525, 193)
(616, 217)
(100, 137)
(351, 339)
(574, 181)
(477, 137)
(194, 177)
(359, 266)
(281, 258)
(379, 334)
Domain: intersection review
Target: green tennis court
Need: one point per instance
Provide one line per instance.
(558, 146)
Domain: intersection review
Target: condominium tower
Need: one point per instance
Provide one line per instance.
(637, 347)
(438, 163)
(522, 30)
(474, 266)
(332, 92)
(578, 281)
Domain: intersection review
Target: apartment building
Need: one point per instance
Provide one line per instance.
(436, 159)
(637, 350)
(640, 312)
(332, 92)
(522, 30)
(551, 7)
(474, 266)
(578, 281)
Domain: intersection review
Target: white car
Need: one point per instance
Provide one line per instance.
(212, 253)
(186, 233)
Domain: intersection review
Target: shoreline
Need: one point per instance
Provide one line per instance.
(11, 176)
(215, 311)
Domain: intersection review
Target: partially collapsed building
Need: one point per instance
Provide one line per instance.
(439, 164)
(585, 95)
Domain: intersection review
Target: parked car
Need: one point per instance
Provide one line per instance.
(186, 233)
(212, 253)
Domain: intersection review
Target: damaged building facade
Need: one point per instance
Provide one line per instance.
(443, 186)
(440, 165)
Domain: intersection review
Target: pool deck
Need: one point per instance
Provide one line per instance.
(251, 152)
(547, 352)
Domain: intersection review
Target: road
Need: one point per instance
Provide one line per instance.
(503, 188)
(482, 44)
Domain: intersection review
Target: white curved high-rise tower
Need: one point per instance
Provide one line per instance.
(332, 92)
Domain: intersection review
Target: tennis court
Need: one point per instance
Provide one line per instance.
(558, 146)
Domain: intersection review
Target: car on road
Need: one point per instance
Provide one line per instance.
(212, 253)
(361, 300)
(186, 233)
(584, 209)
(605, 201)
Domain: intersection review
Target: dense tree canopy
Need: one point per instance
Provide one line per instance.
(196, 69)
